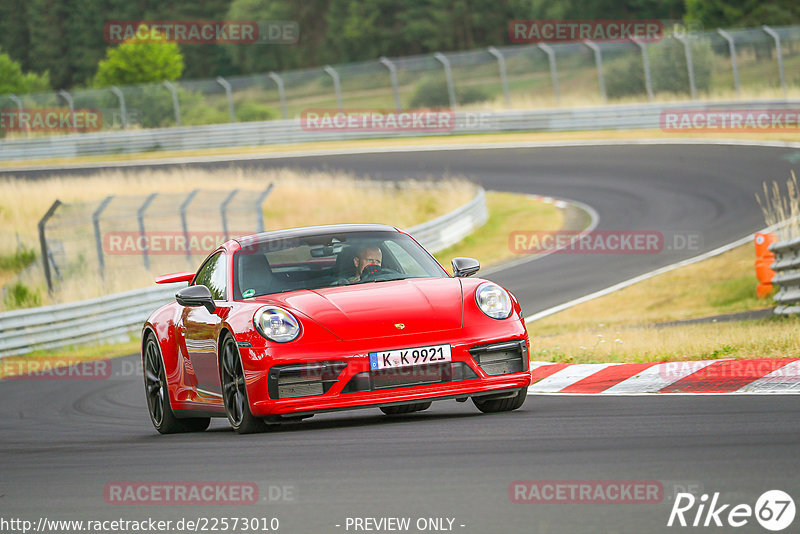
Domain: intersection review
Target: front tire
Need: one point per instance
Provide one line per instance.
(501, 405)
(156, 391)
(405, 408)
(234, 391)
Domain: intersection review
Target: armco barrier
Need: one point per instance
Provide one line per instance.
(787, 267)
(622, 117)
(114, 317)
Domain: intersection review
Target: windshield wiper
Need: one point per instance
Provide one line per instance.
(380, 279)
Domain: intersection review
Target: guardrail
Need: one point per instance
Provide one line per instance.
(115, 317)
(640, 116)
(787, 277)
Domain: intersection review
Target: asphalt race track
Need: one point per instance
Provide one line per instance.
(63, 441)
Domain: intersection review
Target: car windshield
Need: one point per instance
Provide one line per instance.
(268, 266)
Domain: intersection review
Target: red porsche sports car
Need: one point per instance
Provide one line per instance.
(281, 325)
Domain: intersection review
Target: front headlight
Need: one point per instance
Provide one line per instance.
(493, 300)
(276, 324)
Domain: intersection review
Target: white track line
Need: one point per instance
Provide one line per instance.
(622, 285)
(594, 219)
(567, 376)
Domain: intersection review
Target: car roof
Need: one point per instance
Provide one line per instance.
(315, 230)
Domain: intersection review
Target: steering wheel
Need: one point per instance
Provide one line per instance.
(371, 272)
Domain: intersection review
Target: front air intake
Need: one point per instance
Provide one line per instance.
(303, 380)
(501, 358)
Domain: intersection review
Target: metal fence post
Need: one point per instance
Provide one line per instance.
(18, 102)
(228, 93)
(501, 64)
(68, 97)
(648, 81)
(689, 64)
(184, 205)
(598, 59)
(122, 109)
(777, 38)
(551, 58)
(223, 210)
(140, 219)
(448, 76)
(336, 85)
(732, 49)
(281, 94)
(393, 75)
(98, 239)
(176, 105)
(259, 211)
(43, 244)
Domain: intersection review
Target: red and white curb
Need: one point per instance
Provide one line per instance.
(765, 375)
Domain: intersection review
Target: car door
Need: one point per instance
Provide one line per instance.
(200, 327)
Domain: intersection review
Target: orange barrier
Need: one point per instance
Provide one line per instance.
(764, 258)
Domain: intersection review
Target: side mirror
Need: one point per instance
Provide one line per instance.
(463, 267)
(198, 295)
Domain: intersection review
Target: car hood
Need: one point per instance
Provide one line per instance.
(381, 309)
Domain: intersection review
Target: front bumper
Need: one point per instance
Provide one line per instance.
(479, 366)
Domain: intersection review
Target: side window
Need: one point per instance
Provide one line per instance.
(212, 275)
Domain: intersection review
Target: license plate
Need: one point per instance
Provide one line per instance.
(387, 359)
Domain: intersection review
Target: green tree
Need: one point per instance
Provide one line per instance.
(13, 80)
(310, 50)
(668, 65)
(206, 60)
(14, 37)
(740, 13)
(598, 9)
(139, 62)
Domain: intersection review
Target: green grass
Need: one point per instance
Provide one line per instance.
(17, 261)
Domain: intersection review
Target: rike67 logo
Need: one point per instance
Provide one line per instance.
(774, 510)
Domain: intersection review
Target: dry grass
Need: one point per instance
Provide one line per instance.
(298, 199)
(782, 208)
(766, 338)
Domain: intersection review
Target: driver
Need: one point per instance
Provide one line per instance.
(368, 255)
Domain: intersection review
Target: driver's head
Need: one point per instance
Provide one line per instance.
(368, 255)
